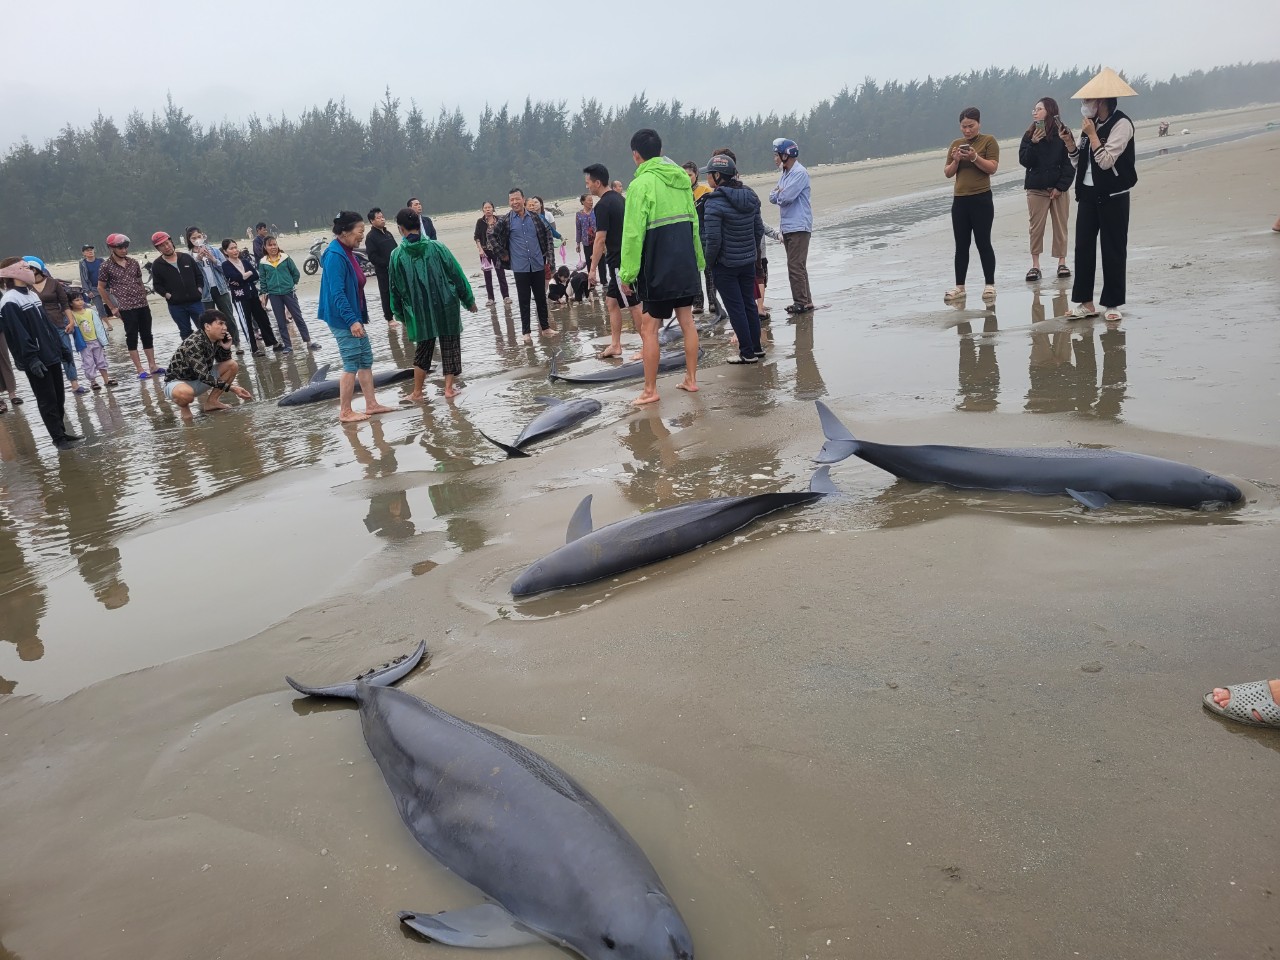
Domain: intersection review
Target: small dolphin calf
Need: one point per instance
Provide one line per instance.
(1093, 477)
(319, 387)
(667, 361)
(559, 415)
(553, 863)
(592, 554)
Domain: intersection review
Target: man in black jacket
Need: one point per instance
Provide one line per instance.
(379, 245)
(178, 278)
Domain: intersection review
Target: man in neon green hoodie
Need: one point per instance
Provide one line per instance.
(661, 256)
(428, 288)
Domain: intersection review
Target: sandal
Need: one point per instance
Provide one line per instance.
(17, 401)
(1033, 274)
(955, 293)
(989, 292)
(113, 382)
(1079, 313)
(1113, 315)
(741, 359)
(1246, 700)
(1064, 272)
(95, 386)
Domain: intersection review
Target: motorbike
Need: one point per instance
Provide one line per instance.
(311, 266)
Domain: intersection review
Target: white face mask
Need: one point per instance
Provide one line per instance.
(1088, 110)
(198, 243)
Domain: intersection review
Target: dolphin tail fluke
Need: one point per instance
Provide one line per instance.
(510, 450)
(821, 481)
(840, 444)
(486, 926)
(383, 676)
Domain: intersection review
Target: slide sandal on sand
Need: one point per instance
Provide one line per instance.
(1246, 700)
(955, 293)
(1114, 315)
(1079, 313)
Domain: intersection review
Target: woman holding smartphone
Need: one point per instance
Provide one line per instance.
(971, 161)
(1049, 176)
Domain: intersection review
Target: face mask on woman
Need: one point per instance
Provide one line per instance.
(1088, 110)
(198, 242)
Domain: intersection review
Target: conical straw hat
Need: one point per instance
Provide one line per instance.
(1106, 84)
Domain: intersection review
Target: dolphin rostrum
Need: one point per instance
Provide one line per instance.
(1095, 478)
(559, 415)
(553, 864)
(592, 554)
(320, 387)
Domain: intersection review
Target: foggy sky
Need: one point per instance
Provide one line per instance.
(226, 61)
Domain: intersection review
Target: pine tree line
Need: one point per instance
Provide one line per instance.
(170, 171)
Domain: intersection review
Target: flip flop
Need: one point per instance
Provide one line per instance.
(143, 375)
(1064, 272)
(1245, 699)
(159, 372)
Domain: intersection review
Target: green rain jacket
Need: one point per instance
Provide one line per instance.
(661, 250)
(428, 289)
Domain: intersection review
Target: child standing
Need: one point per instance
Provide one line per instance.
(91, 341)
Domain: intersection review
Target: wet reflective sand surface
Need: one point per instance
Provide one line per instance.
(908, 721)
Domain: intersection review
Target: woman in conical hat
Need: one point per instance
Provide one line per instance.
(1105, 173)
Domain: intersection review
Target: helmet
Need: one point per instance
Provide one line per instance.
(785, 148)
(721, 165)
(158, 238)
(116, 239)
(36, 263)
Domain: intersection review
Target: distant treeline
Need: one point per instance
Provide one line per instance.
(169, 171)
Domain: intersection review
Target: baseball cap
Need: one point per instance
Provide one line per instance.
(721, 166)
(87, 246)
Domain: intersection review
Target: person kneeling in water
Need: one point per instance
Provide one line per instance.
(203, 364)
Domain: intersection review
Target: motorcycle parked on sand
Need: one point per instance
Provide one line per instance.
(311, 266)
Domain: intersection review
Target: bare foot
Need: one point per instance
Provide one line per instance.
(548, 332)
(452, 392)
(215, 405)
(352, 417)
(528, 339)
(687, 387)
(376, 408)
(1222, 696)
(411, 399)
(610, 351)
(637, 356)
(645, 398)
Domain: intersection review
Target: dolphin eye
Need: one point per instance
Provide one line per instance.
(608, 942)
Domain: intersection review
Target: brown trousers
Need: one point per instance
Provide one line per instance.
(797, 245)
(1040, 207)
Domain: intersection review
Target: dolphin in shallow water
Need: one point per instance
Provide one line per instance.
(554, 865)
(592, 554)
(319, 387)
(668, 360)
(1093, 477)
(559, 415)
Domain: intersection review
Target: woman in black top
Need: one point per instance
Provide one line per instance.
(242, 278)
(490, 259)
(1048, 180)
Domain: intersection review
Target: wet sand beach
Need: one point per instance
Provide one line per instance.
(907, 722)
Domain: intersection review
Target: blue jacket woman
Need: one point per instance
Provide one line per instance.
(731, 232)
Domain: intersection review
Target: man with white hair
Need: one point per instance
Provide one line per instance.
(795, 215)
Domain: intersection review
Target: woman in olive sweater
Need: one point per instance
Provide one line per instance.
(1048, 180)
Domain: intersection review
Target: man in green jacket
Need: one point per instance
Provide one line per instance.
(428, 288)
(661, 256)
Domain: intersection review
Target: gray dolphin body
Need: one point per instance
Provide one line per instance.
(1095, 478)
(319, 387)
(668, 360)
(559, 415)
(552, 861)
(672, 332)
(593, 554)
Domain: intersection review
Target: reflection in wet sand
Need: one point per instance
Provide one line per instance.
(979, 369)
(809, 382)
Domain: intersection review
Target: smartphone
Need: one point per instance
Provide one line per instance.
(1040, 125)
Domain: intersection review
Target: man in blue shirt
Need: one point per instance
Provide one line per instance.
(796, 216)
(524, 243)
(89, 267)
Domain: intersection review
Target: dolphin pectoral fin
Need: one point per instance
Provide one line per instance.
(383, 676)
(840, 442)
(510, 450)
(549, 401)
(1093, 499)
(580, 522)
(321, 374)
(821, 481)
(484, 927)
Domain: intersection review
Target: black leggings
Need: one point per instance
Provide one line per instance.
(972, 217)
(137, 326)
(255, 312)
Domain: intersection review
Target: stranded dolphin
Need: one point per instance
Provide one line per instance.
(672, 332)
(553, 863)
(667, 361)
(592, 554)
(559, 415)
(1093, 477)
(319, 387)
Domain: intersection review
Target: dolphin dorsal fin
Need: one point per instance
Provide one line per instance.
(549, 401)
(821, 481)
(580, 522)
(321, 374)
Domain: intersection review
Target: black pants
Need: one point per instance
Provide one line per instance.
(495, 266)
(533, 282)
(137, 326)
(384, 292)
(1109, 222)
(738, 288)
(255, 313)
(51, 399)
(972, 217)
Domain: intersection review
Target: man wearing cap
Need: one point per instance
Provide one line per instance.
(121, 289)
(178, 278)
(89, 267)
(795, 220)
(1105, 173)
(260, 234)
(203, 364)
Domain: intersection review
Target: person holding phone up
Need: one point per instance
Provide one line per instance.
(971, 161)
(1048, 180)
